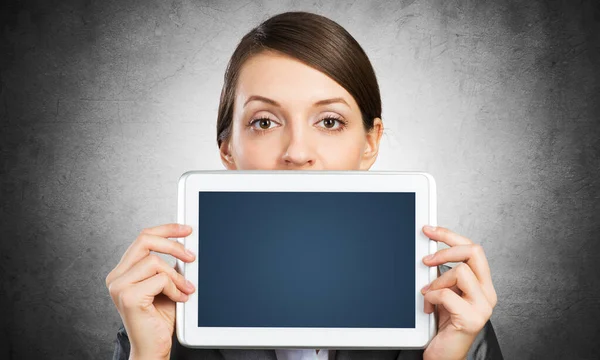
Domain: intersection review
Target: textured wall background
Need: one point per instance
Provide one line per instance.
(103, 104)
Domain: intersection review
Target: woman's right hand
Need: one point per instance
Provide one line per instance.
(145, 288)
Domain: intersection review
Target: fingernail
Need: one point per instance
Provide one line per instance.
(428, 257)
(184, 227)
(425, 288)
(430, 228)
(189, 284)
(190, 253)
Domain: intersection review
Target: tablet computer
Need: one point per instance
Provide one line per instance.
(306, 259)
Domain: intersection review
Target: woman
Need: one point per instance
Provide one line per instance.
(299, 93)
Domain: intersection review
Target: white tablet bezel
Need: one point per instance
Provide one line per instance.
(421, 183)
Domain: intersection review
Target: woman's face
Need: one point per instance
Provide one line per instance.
(288, 115)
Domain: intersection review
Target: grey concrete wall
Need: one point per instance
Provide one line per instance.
(103, 104)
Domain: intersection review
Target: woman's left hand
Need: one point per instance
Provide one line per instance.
(464, 294)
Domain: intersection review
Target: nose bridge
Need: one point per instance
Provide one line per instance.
(299, 149)
(297, 130)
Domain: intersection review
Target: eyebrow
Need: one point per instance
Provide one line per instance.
(275, 103)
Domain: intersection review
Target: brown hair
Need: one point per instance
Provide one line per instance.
(318, 42)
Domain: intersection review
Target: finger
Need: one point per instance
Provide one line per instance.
(430, 307)
(162, 283)
(141, 295)
(464, 279)
(154, 239)
(169, 230)
(474, 256)
(451, 301)
(446, 236)
(462, 314)
(148, 267)
(147, 242)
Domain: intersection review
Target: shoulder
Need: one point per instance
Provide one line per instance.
(122, 346)
(178, 351)
(485, 346)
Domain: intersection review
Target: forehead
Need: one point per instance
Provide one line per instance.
(285, 79)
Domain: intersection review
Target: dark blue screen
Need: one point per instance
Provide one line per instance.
(306, 259)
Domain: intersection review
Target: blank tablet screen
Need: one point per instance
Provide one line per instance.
(306, 259)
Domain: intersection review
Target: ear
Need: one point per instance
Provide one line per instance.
(372, 145)
(226, 157)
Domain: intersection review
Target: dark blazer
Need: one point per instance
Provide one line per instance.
(485, 347)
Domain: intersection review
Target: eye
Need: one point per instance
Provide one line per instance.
(332, 123)
(263, 123)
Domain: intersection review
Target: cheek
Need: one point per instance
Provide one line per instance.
(252, 153)
(345, 153)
